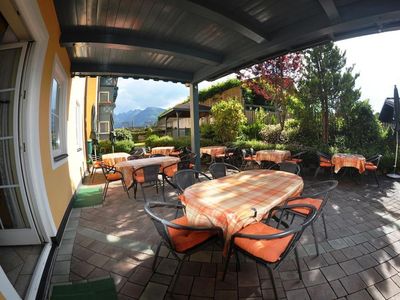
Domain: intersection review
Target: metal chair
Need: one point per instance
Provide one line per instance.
(112, 175)
(325, 161)
(186, 178)
(317, 195)
(219, 170)
(178, 236)
(296, 158)
(137, 154)
(169, 171)
(372, 164)
(146, 175)
(96, 164)
(286, 166)
(268, 245)
(248, 158)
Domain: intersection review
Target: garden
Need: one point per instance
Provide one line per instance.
(313, 104)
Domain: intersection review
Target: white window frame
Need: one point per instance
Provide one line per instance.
(108, 97)
(59, 156)
(79, 127)
(108, 126)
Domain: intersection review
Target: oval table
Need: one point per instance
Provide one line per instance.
(229, 202)
(162, 150)
(277, 156)
(112, 158)
(344, 160)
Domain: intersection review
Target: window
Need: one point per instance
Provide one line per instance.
(58, 122)
(104, 126)
(79, 129)
(104, 97)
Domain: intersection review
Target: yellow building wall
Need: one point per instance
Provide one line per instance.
(58, 183)
(91, 99)
(235, 92)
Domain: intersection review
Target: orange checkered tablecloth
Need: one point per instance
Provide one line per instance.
(112, 158)
(127, 167)
(213, 150)
(341, 160)
(162, 150)
(228, 202)
(277, 156)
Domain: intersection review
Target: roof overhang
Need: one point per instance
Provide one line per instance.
(183, 111)
(193, 40)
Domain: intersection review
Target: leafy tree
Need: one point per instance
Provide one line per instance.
(274, 80)
(252, 131)
(325, 88)
(122, 134)
(228, 118)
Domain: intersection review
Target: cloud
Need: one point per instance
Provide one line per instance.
(139, 94)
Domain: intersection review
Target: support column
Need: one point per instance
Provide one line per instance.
(177, 120)
(194, 122)
(166, 122)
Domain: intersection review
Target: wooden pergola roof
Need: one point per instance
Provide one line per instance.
(193, 40)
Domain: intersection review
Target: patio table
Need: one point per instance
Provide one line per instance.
(341, 160)
(127, 167)
(112, 158)
(163, 150)
(213, 150)
(229, 202)
(277, 156)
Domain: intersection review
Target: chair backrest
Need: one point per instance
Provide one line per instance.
(375, 159)
(136, 153)
(320, 190)
(289, 167)
(323, 156)
(219, 170)
(299, 154)
(149, 173)
(186, 178)
(157, 155)
(106, 169)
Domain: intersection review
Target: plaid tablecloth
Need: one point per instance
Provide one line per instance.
(213, 150)
(277, 156)
(162, 150)
(341, 160)
(112, 158)
(228, 202)
(127, 167)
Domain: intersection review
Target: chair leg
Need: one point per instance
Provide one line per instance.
(315, 238)
(228, 257)
(376, 179)
(144, 195)
(153, 267)
(134, 189)
(237, 261)
(105, 190)
(296, 255)
(271, 274)
(316, 172)
(323, 220)
(125, 188)
(177, 274)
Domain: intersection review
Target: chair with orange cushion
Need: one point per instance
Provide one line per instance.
(112, 175)
(296, 158)
(248, 158)
(169, 171)
(147, 177)
(185, 178)
(268, 244)
(372, 164)
(325, 162)
(317, 195)
(177, 235)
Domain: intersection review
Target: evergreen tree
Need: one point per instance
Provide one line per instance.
(327, 87)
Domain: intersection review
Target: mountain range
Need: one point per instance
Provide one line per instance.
(137, 117)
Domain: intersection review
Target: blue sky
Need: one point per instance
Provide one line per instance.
(376, 58)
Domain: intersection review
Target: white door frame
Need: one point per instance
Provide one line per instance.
(30, 13)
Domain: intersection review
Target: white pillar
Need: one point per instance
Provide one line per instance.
(194, 122)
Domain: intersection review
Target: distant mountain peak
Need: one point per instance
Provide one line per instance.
(137, 117)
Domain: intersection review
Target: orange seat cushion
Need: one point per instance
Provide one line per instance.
(186, 239)
(310, 201)
(191, 166)
(138, 176)
(175, 153)
(325, 164)
(267, 250)
(248, 158)
(295, 160)
(97, 164)
(371, 167)
(220, 155)
(323, 159)
(171, 170)
(113, 177)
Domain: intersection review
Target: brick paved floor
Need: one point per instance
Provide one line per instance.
(360, 260)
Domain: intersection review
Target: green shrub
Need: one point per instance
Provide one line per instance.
(123, 146)
(207, 131)
(104, 147)
(271, 134)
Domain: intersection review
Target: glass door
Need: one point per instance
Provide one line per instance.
(16, 222)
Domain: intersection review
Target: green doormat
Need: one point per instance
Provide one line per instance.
(88, 196)
(92, 290)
